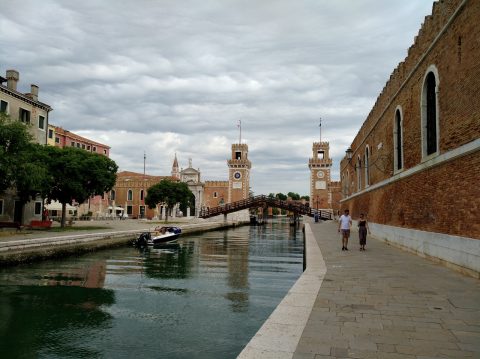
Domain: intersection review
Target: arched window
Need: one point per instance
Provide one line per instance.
(429, 100)
(398, 139)
(141, 195)
(358, 169)
(112, 195)
(367, 166)
(129, 195)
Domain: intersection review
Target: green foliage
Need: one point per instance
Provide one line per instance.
(281, 196)
(76, 175)
(64, 175)
(15, 152)
(307, 198)
(169, 193)
(293, 195)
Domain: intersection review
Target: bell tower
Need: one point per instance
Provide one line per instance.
(320, 165)
(175, 171)
(238, 173)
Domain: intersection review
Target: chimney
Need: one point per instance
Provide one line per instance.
(12, 79)
(34, 92)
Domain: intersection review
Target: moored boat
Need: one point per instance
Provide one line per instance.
(158, 236)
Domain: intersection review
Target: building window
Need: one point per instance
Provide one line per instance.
(1, 206)
(50, 133)
(238, 155)
(41, 122)
(215, 194)
(367, 166)
(94, 149)
(141, 195)
(57, 139)
(129, 195)
(73, 144)
(129, 210)
(83, 146)
(78, 145)
(38, 208)
(398, 139)
(112, 195)
(3, 106)
(88, 148)
(429, 102)
(104, 152)
(321, 154)
(24, 115)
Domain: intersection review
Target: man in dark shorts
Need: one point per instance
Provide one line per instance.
(344, 224)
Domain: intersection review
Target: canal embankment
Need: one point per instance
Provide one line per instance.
(380, 303)
(27, 246)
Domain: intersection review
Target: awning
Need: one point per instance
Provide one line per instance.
(121, 209)
(57, 206)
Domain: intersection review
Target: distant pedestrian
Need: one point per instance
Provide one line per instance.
(344, 225)
(362, 231)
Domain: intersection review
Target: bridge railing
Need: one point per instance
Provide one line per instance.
(262, 201)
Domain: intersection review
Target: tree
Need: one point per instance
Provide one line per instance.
(15, 147)
(75, 175)
(169, 193)
(306, 198)
(293, 195)
(22, 165)
(281, 196)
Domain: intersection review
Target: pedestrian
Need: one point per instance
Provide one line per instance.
(344, 225)
(362, 231)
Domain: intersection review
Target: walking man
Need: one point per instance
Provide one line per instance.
(344, 225)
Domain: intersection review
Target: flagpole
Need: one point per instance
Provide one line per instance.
(320, 125)
(240, 127)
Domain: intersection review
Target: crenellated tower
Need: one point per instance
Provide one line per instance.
(320, 166)
(238, 173)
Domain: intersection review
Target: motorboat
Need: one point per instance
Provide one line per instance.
(158, 236)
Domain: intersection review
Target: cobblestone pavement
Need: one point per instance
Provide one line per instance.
(386, 303)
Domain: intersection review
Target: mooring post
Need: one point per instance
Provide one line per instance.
(225, 217)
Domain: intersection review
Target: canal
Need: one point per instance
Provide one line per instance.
(204, 297)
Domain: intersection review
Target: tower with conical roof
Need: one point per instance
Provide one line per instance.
(175, 169)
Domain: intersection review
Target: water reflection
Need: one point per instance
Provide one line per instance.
(36, 313)
(203, 297)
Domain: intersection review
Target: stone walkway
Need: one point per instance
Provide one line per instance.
(386, 303)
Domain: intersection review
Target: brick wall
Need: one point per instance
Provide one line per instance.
(441, 198)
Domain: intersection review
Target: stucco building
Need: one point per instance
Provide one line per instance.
(414, 166)
(26, 108)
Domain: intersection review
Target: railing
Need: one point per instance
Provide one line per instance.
(261, 201)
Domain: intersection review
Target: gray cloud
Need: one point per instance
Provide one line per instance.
(166, 76)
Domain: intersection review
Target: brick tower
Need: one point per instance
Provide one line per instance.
(320, 165)
(175, 170)
(238, 173)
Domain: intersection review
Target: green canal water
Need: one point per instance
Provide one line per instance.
(204, 297)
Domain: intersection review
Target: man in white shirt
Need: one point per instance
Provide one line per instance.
(344, 224)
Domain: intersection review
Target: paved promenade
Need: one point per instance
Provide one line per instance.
(386, 303)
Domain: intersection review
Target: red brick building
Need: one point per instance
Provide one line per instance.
(129, 194)
(415, 163)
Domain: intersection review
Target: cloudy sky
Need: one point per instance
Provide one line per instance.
(166, 76)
